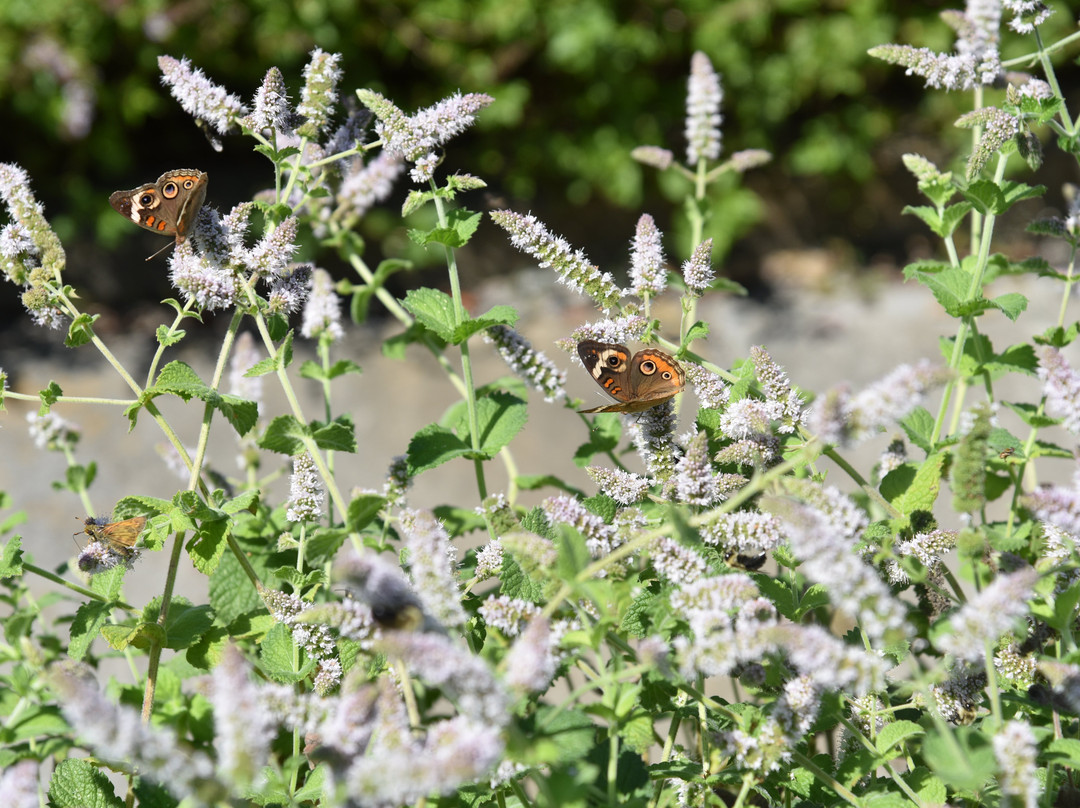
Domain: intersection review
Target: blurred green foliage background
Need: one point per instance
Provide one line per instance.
(578, 84)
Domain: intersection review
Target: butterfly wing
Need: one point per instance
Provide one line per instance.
(655, 378)
(648, 378)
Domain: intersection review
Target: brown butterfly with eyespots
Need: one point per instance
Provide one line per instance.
(641, 381)
(167, 206)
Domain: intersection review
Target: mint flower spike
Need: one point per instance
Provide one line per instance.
(695, 481)
(29, 242)
(941, 70)
(977, 59)
(1028, 14)
(999, 127)
(116, 733)
(322, 311)
(305, 491)
(703, 96)
(417, 138)
(30, 252)
(655, 156)
(625, 487)
(845, 419)
(529, 235)
(1016, 751)
(433, 566)
(319, 96)
(273, 253)
(271, 106)
(531, 661)
(19, 784)
(243, 726)
(532, 365)
(1061, 386)
(627, 328)
(988, 615)
(365, 185)
(698, 271)
(200, 97)
(1059, 505)
(786, 402)
(200, 278)
(822, 534)
(648, 274)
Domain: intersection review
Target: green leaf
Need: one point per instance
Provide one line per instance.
(231, 592)
(49, 396)
(186, 624)
(952, 216)
(11, 558)
(928, 214)
(912, 487)
(362, 511)
(1012, 305)
(75, 783)
(965, 762)
(432, 446)
(1016, 359)
(432, 309)
(603, 437)
(1059, 337)
(919, 426)
(1030, 415)
(276, 653)
(463, 224)
(262, 367)
(177, 378)
(285, 435)
(208, 544)
(205, 653)
(313, 370)
(89, 618)
(814, 597)
(246, 501)
(81, 330)
(558, 735)
(500, 417)
(949, 287)
(699, 330)
(167, 336)
(1018, 191)
(141, 635)
(496, 315)
(895, 734)
(1064, 750)
(985, 197)
(337, 436)
(314, 784)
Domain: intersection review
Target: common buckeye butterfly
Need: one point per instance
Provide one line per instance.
(168, 206)
(641, 381)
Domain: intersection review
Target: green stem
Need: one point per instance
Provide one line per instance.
(974, 289)
(82, 590)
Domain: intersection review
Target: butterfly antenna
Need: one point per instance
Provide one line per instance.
(163, 249)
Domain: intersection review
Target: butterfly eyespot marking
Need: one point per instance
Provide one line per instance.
(170, 189)
(189, 184)
(146, 199)
(649, 368)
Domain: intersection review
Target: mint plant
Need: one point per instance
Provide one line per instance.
(901, 634)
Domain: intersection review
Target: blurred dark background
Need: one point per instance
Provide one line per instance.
(578, 84)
